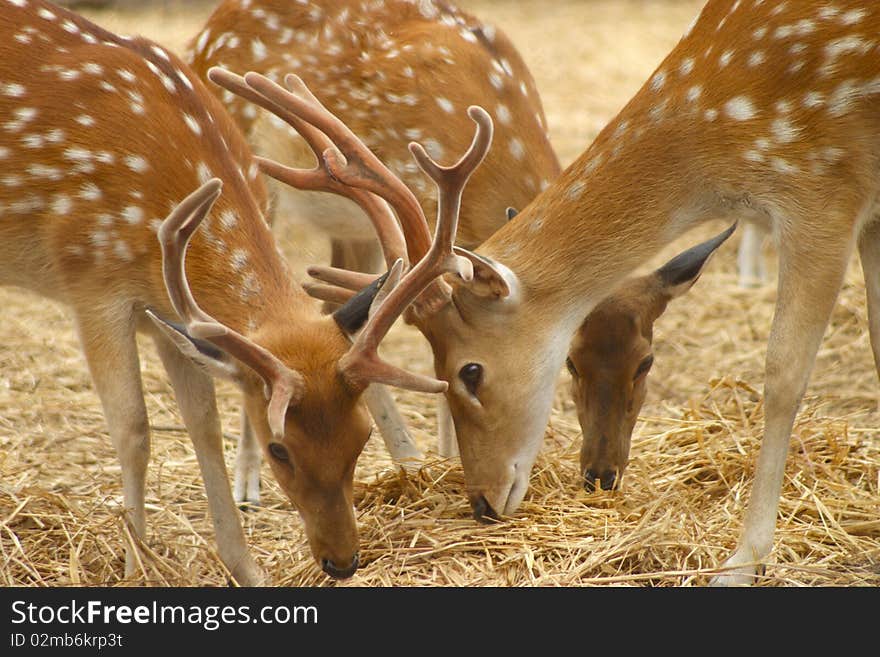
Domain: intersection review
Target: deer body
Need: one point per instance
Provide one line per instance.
(765, 112)
(103, 137)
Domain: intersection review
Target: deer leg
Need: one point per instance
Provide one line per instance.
(750, 260)
(391, 425)
(447, 445)
(810, 275)
(248, 459)
(110, 349)
(869, 254)
(194, 391)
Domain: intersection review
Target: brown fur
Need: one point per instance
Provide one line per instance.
(377, 43)
(76, 242)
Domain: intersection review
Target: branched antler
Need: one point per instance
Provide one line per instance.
(283, 385)
(348, 167)
(322, 177)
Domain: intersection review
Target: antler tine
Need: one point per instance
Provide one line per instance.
(361, 365)
(362, 362)
(283, 384)
(321, 177)
(451, 182)
(350, 161)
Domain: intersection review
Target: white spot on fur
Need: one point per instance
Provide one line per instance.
(814, 99)
(687, 65)
(783, 166)
(259, 50)
(502, 113)
(90, 192)
(13, 90)
(204, 173)
(445, 104)
(122, 251)
(133, 214)
(725, 58)
(740, 108)
(136, 163)
(694, 92)
(842, 97)
(192, 124)
(658, 80)
(85, 120)
(783, 131)
(239, 259)
(852, 17)
(517, 150)
(756, 58)
(710, 114)
(62, 204)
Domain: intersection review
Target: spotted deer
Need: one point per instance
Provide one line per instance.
(765, 111)
(113, 157)
(611, 356)
(394, 72)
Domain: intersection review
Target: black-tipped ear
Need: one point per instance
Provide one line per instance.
(680, 273)
(214, 360)
(352, 316)
(511, 213)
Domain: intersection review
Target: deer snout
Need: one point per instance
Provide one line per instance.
(340, 572)
(483, 511)
(607, 480)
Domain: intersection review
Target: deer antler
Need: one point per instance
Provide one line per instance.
(322, 178)
(351, 169)
(440, 259)
(283, 385)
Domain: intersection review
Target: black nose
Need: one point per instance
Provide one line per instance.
(607, 479)
(483, 512)
(339, 573)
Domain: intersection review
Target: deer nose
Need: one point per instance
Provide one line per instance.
(607, 479)
(340, 573)
(483, 511)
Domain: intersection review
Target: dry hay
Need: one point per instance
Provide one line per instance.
(681, 506)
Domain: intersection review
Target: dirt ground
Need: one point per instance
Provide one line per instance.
(680, 507)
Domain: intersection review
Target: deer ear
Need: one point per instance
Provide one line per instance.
(491, 279)
(206, 355)
(679, 274)
(353, 314)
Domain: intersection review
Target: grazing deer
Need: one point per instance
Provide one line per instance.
(765, 111)
(611, 356)
(101, 137)
(394, 72)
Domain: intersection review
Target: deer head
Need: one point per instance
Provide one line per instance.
(611, 356)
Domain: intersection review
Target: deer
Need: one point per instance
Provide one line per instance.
(393, 72)
(611, 357)
(161, 229)
(764, 112)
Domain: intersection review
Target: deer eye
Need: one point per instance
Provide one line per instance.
(571, 368)
(279, 451)
(471, 375)
(643, 367)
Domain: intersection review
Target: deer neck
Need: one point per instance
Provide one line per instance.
(607, 214)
